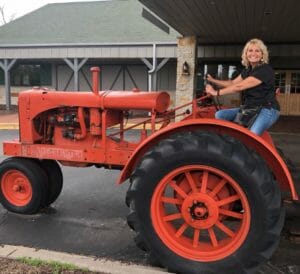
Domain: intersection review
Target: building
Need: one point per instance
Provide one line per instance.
(219, 29)
(56, 45)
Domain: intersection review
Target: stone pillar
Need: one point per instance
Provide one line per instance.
(186, 67)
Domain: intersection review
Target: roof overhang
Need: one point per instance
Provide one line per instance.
(98, 51)
(231, 21)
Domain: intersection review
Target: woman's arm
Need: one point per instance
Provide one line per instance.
(248, 82)
(224, 83)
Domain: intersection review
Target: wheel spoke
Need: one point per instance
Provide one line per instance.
(225, 229)
(228, 200)
(213, 237)
(218, 187)
(196, 237)
(191, 182)
(178, 189)
(181, 230)
(169, 200)
(231, 213)
(204, 182)
(173, 217)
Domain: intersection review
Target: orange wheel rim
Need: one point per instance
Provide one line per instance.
(16, 188)
(196, 222)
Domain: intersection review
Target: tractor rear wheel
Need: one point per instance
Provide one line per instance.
(23, 185)
(183, 198)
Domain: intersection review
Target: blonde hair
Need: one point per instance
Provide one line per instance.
(259, 43)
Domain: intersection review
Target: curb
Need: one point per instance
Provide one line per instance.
(9, 125)
(91, 263)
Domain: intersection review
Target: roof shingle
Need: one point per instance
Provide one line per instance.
(116, 21)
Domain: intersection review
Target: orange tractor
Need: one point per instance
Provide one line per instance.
(205, 195)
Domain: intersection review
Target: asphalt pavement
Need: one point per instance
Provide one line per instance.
(89, 218)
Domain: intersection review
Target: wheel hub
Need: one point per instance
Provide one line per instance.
(18, 185)
(17, 188)
(200, 211)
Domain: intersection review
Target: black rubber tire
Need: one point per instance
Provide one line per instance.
(233, 158)
(37, 179)
(55, 179)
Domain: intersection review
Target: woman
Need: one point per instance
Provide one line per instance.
(257, 80)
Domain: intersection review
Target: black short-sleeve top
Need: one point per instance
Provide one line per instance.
(263, 94)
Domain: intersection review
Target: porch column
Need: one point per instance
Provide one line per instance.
(153, 70)
(6, 65)
(186, 70)
(75, 67)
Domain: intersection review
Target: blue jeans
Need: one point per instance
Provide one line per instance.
(266, 118)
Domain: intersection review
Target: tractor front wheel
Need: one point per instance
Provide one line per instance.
(23, 185)
(204, 203)
(55, 179)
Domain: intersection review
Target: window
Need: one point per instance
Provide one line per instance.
(223, 71)
(288, 81)
(1, 77)
(280, 81)
(26, 75)
(31, 75)
(295, 82)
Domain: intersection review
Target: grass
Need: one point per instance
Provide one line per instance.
(56, 267)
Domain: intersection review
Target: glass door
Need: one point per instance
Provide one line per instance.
(288, 81)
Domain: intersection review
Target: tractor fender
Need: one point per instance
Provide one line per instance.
(263, 145)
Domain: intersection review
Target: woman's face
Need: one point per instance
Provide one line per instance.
(254, 54)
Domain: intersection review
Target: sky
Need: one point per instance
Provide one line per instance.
(17, 8)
